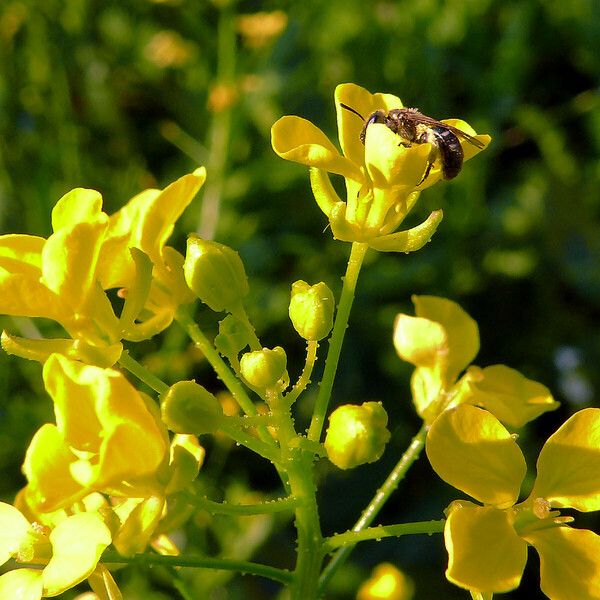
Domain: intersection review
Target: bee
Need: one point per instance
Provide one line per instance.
(416, 128)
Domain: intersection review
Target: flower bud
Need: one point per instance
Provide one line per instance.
(215, 273)
(264, 368)
(189, 408)
(356, 434)
(311, 310)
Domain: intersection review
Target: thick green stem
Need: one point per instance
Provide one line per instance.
(371, 511)
(355, 261)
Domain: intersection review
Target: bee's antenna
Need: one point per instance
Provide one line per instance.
(351, 110)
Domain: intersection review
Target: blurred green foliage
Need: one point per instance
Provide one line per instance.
(120, 96)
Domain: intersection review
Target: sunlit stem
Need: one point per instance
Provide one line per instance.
(224, 508)
(137, 369)
(383, 531)
(355, 261)
(224, 564)
(371, 511)
(304, 379)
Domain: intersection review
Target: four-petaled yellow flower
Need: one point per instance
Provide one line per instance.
(64, 277)
(487, 545)
(60, 557)
(441, 341)
(383, 175)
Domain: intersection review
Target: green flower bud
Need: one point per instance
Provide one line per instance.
(232, 338)
(356, 434)
(264, 368)
(215, 273)
(311, 310)
(189, 408)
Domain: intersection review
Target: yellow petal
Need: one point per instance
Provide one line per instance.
(21, 584)
(13, 528)
(23, 249)
(69, 261)
(569, 464)
(389, 163)
(77, 206)
(485, 553)
(22, 295)
(410, 240)
(419, 341)
(349, 124)
(461, 329)
(138, 525)
(186, 458)
(323, 191)
(47, 468)
(510, 396)
(471, 450)
(103, 584)
(569, 562)
(299, 140)
(77, 544)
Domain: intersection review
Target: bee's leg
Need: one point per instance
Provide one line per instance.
(427, 171)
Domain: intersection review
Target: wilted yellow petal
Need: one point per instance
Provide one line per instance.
(569, 562)
(461, 329)
(471, 450)
(77, 544)
(21, 584)
(568, 467)
(485, 553)
(186, 458)
(103, 584)
(510, 396)
(13, 528)
(297, 139)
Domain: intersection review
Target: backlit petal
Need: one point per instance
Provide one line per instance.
(569, 464)
(21, 584)
(13, 528)
(471, 450)
(569, 562)
(485, 553)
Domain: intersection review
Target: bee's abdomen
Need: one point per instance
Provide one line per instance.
(451, 152)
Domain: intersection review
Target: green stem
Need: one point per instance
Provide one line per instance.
(223, 508)
(220, 131)
(137, 369)
(371, 511)
(382, 531)
(355, 261)
(232, 383)
(304, 379)
(202, 562)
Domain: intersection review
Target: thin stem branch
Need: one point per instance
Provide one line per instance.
(137, 369)
(304, 379)
(371, 511)
(202, 562)
(381, 531)
(355, 261)
(223, 508)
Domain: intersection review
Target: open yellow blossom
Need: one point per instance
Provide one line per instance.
(63, 278)
(108, 437)
(383, 175)
(487, 545)
(441, 341)
(61, 557)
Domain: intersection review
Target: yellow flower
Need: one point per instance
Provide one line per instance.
(64, 277)
(487, 545)
(108, 438)
(383, 176)
(386, 583)
(64, 555)
(441, 341)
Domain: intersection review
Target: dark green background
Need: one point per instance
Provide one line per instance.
(88, 98)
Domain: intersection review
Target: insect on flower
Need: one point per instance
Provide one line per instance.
(416, 128)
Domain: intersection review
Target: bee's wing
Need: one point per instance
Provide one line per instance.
(431, 122)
